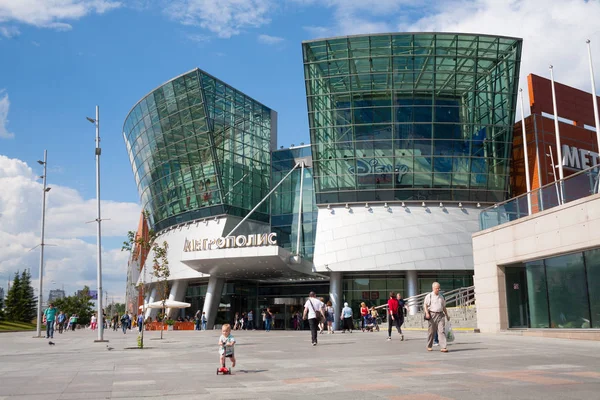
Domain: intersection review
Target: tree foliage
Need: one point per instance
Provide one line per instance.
(116, 308)
(161, 271)
(28, 300)
(138, 246)
(80, 304)
(21, 303)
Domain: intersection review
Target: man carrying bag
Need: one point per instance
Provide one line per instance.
(435, 311)
(313, 310)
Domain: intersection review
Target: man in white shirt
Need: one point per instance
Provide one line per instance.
(434, 305)
(313, 309)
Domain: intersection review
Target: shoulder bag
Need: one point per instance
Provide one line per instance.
(318, 315)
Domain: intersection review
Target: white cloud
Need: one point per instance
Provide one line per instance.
(198, 38)
(225, 18)
(270, 40)
(4, 106)
(51, 14)
(553, 31)
(9, 31)
(71, 260)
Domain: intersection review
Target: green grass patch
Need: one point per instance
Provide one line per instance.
(17, 326)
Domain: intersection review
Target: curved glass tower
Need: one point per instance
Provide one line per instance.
(411, 116)
(200, 148)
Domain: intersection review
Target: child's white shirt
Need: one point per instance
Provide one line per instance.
(226, 350)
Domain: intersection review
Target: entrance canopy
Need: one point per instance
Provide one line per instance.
(259, 263)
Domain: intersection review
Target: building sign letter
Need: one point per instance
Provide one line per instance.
(230, 242)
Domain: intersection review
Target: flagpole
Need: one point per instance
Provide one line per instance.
(594, 99)
(561, 174)
(526, 158)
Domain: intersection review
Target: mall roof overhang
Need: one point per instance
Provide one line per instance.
(269, 263)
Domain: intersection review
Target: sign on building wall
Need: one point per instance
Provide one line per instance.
(578, 158)
(231, 242)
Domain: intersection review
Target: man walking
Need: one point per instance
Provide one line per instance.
(435, 310)
(250, 320)
(50, 315)
(140, 322)
(203, 320)
(60, 321)
(313, 309)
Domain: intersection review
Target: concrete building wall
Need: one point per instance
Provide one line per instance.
(395, 239)
(560, 230)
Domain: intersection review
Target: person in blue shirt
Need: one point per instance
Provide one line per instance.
(346, 317)
(140, 322)
(203, 320)
(125, 322)
(50, 315)
(60, 321)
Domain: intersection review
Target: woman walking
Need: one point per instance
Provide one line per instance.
(329, 316)
(364, 311)
(393, 316)
(347, 318)
(323, 321)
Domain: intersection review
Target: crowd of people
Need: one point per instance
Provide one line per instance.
(319, 314)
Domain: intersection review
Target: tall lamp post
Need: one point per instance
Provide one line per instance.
(96, 122)
(42, 244)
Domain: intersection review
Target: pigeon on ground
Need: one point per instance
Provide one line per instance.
(109, 348)
(51, 343)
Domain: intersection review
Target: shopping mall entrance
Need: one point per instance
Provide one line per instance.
(284, 300)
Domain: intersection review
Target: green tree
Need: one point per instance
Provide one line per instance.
(161, 271)
(28, 301)
(80, 304)
(13, 309)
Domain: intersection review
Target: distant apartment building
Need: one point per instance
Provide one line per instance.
(56, 294)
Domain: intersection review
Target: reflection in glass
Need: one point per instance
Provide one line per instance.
(401, 98)
(567, 291)
(592, 266)
(537, 294)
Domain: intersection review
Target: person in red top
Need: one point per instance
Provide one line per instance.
(364, 311)
(393, 315)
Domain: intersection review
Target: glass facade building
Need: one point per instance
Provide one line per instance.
(424, 116)
(285, 201)
(199, 148)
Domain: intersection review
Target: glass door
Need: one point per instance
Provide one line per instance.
(516, 297)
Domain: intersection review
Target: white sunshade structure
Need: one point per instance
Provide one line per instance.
(167, 304)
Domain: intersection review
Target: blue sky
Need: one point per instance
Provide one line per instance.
(59, 59)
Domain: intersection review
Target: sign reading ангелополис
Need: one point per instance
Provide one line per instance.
(231, 242)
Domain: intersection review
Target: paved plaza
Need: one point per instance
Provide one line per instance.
(284, 365)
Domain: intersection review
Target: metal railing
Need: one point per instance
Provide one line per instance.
(462, 298)
(579, 185)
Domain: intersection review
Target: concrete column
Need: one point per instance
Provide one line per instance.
(177, 293)
(212, 299)
(411, 278)
(335, 295)
(151, 297)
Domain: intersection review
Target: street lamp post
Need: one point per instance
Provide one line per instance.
(96, 122)
(42, 244)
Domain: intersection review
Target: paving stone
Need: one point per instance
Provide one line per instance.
(284, 365)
